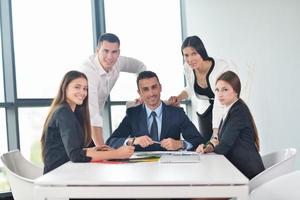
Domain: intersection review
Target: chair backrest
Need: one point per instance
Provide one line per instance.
(282, 187)
(276, 163)
(21, 174)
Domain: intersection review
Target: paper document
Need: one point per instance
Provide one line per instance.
(180, 158)
(171, 156)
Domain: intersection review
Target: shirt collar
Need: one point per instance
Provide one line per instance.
(99, 66)
(158, 110)
(227, 108)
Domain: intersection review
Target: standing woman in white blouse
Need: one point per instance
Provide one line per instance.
(201, 72)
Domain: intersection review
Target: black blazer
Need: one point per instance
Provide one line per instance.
(174, 123)
(64, 139)
(237, 142)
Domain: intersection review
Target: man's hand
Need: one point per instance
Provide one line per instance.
(143, 141)
(171, 144)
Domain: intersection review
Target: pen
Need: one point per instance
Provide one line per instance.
(132, 143)
(155, 142)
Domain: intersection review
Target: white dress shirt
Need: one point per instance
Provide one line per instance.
(226, 110)
(100, 82)
(158, 117)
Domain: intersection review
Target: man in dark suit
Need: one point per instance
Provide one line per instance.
(153, 125)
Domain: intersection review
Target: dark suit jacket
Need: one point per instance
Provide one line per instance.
(64, 139)
(174, 123)
(237, 141)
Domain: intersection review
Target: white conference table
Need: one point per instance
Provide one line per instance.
(213, 176)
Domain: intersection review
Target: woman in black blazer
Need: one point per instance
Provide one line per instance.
(238, 138)
(67, 130)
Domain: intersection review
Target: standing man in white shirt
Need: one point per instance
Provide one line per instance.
(103, 69)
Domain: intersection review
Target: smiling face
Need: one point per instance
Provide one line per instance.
(225, 93)
(108, 54)
(192, 57)
(149, 91)
(76, 92)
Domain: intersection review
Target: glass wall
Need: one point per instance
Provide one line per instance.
(1, 72)
(31, 121)
(53, 36)
(45, 49)
(50, 37)
(3, 148)
(151, 32)
(3, 135)
(117, 113)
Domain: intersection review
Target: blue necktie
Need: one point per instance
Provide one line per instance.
(154, 129)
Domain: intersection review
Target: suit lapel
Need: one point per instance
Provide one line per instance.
(142, 118)
(223, 125)
(164, 121)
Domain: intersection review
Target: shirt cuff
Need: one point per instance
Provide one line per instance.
(188, 145)
(125, 142)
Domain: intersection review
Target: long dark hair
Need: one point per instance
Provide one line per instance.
(196, 43)
(61, 98)
(233, 80)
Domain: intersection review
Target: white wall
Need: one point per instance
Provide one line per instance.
(263, 39)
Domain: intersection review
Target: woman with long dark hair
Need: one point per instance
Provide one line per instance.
(67, 129)
(201, 72)
(238, 138)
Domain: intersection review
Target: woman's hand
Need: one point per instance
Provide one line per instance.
(103, 148)
(174, 101)
(200, 148)
(139, 101)
(214, 141)
(125, 152)
(209, 148)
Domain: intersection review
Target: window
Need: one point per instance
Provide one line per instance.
(3, 135)
(118, 113)
(31, 121)
(4, 187)
(1, 74)
(50, 37)
(151, 32)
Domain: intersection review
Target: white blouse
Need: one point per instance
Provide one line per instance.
(201, 103)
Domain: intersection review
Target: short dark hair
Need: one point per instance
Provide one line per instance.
(196, 43)
(145, 75)
(110, 37)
